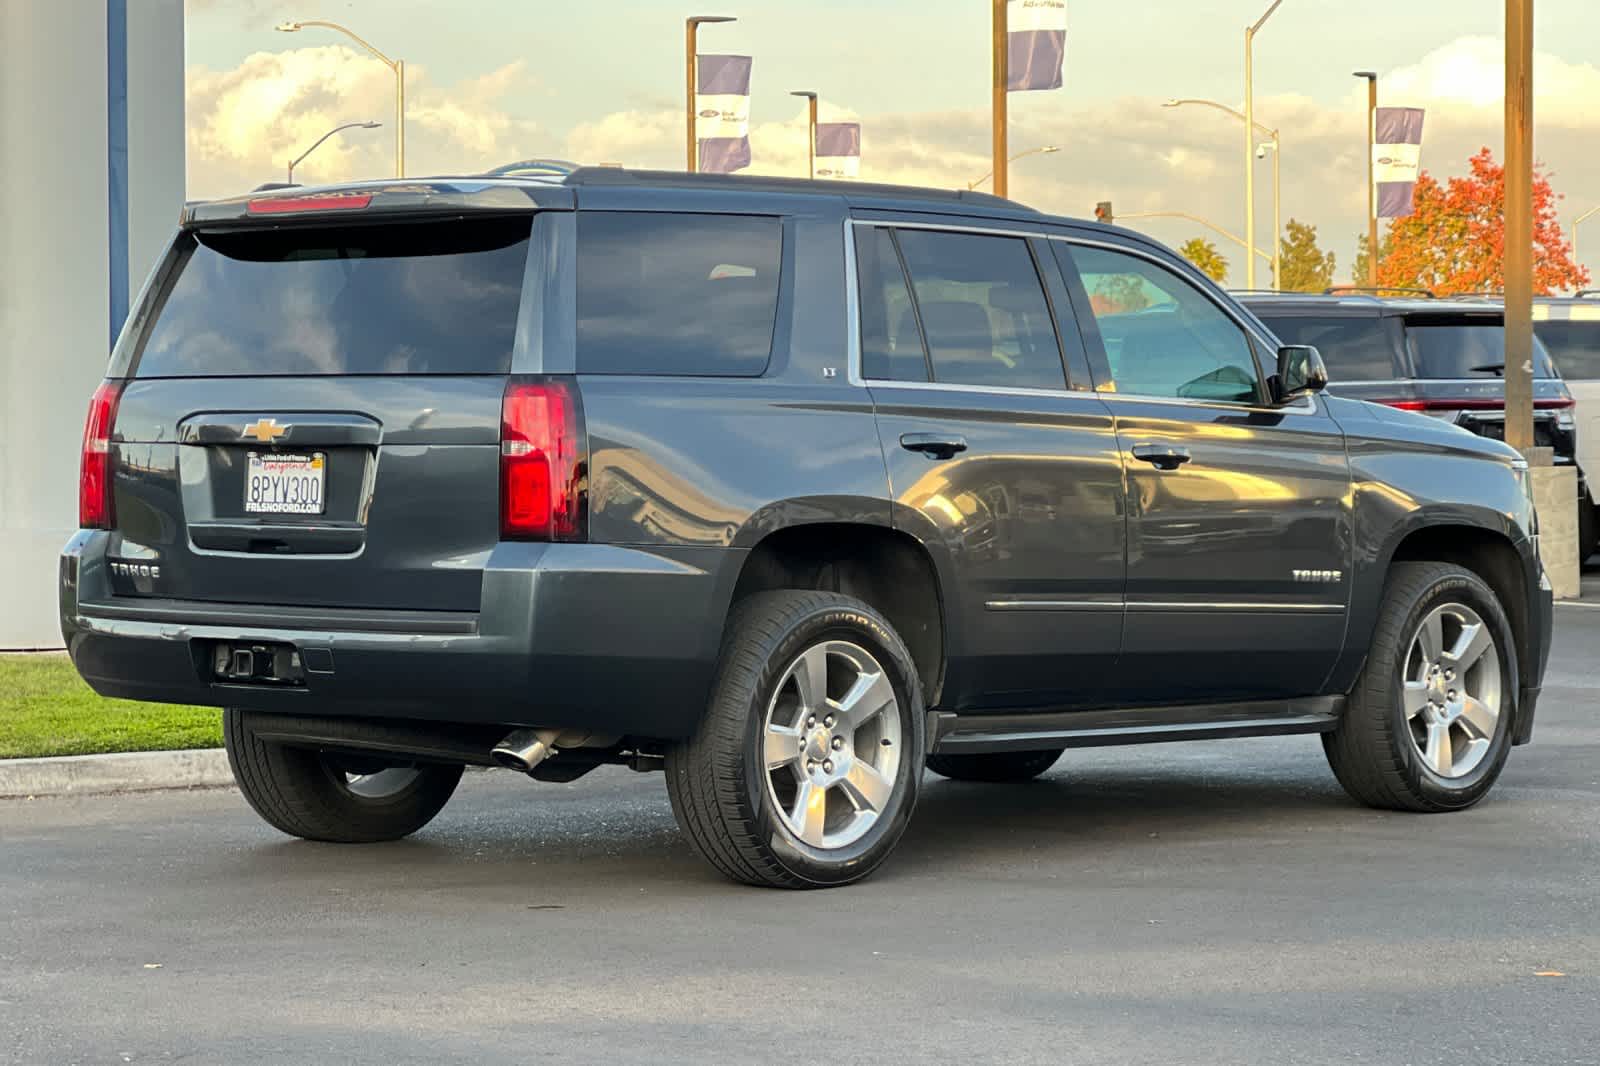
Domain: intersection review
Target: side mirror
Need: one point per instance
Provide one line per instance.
(1300, 371)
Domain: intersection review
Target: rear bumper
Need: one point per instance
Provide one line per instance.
(610, 639)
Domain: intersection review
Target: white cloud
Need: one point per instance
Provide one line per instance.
(245, 124)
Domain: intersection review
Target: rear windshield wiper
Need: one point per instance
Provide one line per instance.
(1490, 368)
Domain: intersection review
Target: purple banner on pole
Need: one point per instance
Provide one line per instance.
(724, 155)
(1397, 159)
(1036, 44)
(722, 112)
(838, 149)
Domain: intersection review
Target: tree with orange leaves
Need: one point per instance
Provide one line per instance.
(1454, 241)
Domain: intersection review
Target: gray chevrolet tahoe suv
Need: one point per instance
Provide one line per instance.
(788, 489)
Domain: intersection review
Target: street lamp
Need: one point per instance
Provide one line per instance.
(1041, 150)
(691, 36)
(811, 125)
(315, 144)
(1371, 78)
(1276, 148)
(1250, 142)
(396, 65)
(1580, 220)
(1197, 220)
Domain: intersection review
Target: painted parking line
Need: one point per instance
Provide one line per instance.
(1592, 605)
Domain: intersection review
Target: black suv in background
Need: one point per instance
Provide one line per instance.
(1443, 358)
(789, 489)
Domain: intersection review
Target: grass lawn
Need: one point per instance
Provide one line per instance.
(46, 709)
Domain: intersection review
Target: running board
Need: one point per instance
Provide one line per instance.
(952, 733)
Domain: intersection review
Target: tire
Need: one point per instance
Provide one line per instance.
(995, 767)
(326, 796)
(744, 812)
(1403, 743)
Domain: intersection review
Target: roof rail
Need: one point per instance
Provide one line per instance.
(1585, 294)
(1476, 296)
(1377, 290)
(1266, 292)
(593, 175)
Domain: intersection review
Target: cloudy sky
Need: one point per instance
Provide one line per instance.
(491, 81)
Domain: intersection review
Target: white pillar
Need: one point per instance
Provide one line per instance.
(59, 224)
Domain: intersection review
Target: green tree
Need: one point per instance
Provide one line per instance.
(1306, 267)
(1204, 255)
(1358, 271)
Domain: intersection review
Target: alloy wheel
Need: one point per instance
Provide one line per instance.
(1451, 690)
(831, 744)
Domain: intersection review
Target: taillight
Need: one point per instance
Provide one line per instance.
(1473, 404)
(280, 205)
(541, 461)
(94, 468)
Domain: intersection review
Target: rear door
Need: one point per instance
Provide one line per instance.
(996, 455)
(313, 414)
(1239, 523)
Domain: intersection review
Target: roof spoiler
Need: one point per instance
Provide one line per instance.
(363, 200)
(1378, 290)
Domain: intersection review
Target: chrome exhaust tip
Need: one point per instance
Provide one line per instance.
(524, 749)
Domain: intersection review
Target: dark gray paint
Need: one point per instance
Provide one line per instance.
(433, 617)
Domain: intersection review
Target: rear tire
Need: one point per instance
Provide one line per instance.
(1429, 724)
(995, 767)
(804, 771)
(325, 796)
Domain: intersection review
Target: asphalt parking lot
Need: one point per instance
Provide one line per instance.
(1216, 903)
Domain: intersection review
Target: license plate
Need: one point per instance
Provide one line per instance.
(279, 483)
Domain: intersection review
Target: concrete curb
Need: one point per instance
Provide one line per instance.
(88, 775)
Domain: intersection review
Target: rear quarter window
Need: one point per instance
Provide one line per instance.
(677, 294)
(403, 298)
(1355, 348)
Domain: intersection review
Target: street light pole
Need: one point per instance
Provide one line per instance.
(999, 118)
(1580, 220)
(1197, 220)
(318, 142)
(1277, 179)
(1372, 175)
(1250, 142)
(811, 128)
(691, 36)
(396, 65)
(1519, 225)
(1041, 150)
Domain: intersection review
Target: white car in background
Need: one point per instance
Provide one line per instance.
(1570, 329)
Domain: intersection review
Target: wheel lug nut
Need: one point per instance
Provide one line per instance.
(1452, 695)
(838, 742)
(828, 721)
(827, 766)
(810, 766)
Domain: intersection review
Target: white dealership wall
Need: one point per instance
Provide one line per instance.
(70, 256)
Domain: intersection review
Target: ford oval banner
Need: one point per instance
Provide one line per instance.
(838, 149)
(1397, 159)
(722, 112)
(1036, 41)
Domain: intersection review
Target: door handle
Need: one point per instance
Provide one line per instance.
(933, 445)
(1162, 456)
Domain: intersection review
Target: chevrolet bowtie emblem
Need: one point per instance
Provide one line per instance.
(265, 430)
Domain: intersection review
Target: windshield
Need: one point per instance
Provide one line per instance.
(1355, 348)
(1463, 351)
(403, 298)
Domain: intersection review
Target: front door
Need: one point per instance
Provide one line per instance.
(1239, 517)
(993, 457)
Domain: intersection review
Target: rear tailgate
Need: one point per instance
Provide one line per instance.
(313, 414)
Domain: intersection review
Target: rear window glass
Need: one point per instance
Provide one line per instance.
(1466, 351)
(1355, 348)
(677, 293)
(1575, 345)
(420, 298)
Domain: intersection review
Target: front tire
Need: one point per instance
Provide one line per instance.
(805, 769)
(998, 767)
(1429, 724)
(326, 796)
